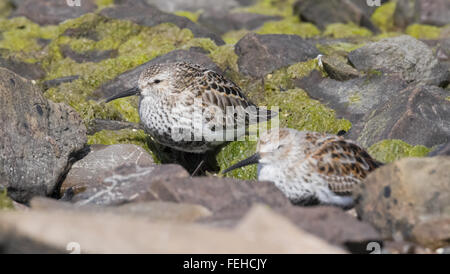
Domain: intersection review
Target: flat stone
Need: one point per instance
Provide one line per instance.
(39, 138)
(126, 183)
(154, 211)
(89, 171)
(262, 231)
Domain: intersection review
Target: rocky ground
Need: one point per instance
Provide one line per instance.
(73, 169)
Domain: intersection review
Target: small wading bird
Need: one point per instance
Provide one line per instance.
(309, 167)
(176, 100)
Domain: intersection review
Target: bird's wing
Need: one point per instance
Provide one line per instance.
(342, 163)
(220, 94)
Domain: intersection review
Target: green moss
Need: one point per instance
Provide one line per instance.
(101, 4)
(205, 43)
(383, 17)
(447, 98)
(340, 30)
(290, 25)
(387, 151)
(420, 31)
(20, 38)
(235, 152)
(340, 48)
(232, 37)
(303, 113)
(283, 78)
(193, 16)
(5, 201)
(135, 45)
(225, 57)
(5, 9)
(124, 136)
(270, 7)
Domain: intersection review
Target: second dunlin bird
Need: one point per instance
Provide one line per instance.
(310, 167)
(187, 107)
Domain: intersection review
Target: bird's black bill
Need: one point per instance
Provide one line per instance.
(126, 93)
(254, 159)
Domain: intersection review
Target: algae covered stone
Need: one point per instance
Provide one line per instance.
(387, 151)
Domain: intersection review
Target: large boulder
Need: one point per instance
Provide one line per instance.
(402, 56)
(262, 231)
(409, 200)
(39, 139)
(262, 54)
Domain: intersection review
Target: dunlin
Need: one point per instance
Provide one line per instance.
(310, 167)
(189, 108)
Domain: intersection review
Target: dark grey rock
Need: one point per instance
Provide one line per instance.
(262, 54)
(97, 125)
(88, 56)
(402, 56)
(148, 15)
(27, 70)
(130, 78)
(323, 12)
(195, 5)
(52, 12)
(418, 115)
(370, 103)
(355, 98)
(39, 138)
(225, 197)
(56, 82)
(432, 12)
(222, 22)
(442, 150)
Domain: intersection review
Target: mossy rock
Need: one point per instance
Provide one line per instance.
(134, 44)
(420, 31)
(270, 7)
(340, 30)
(290, 25)
(5, 201)
(383, 17)
(387, 151)
(123, 136)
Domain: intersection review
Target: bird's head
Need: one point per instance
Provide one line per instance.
(272, 146)
(153, 81)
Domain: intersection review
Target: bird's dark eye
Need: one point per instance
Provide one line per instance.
(280, 146)
(157, 81)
